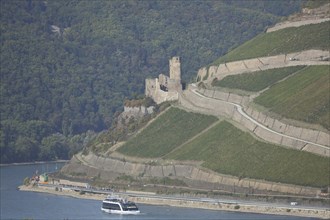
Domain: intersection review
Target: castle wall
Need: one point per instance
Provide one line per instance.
(163, 80)
(161, 96)
(150, 87)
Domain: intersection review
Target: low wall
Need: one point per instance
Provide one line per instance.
(302, 58)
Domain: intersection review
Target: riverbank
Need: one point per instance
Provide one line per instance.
(31, 163)
(147, 198)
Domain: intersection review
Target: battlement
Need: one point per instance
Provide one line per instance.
(166, 88)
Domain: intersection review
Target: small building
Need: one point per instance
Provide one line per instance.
(43, 178)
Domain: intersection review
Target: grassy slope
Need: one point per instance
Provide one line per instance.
(256, 81)
(304, 96)
(169, 131)
(315, 36)
(226, 149)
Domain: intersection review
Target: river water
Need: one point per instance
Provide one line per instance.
(31, 205)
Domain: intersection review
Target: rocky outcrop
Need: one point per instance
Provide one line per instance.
(133, 113)
(138, 111)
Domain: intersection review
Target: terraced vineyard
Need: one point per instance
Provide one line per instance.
(256, 81)
(304, 96)
(299, 92)
(226, 149)
(295, 39)
(169, 131)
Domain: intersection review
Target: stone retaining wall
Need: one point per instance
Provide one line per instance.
(109, 168)
(308, 57)
(222, 107)
(310, 135)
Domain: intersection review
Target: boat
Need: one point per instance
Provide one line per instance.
(117, 205)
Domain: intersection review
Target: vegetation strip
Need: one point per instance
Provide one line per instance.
(288, 40)
(256, 81)
(304, 96)
(169, 131)
(228, 150)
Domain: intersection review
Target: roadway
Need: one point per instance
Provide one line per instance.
(182, 198)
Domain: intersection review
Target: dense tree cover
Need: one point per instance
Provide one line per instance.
(67, 66)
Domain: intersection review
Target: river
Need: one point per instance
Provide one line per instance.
(31, 205)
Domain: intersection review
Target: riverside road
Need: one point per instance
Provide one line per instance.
(185, 199)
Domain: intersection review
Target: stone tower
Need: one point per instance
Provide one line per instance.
(166, 88)
(175, 69)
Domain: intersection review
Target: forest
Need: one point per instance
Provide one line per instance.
(67, 66)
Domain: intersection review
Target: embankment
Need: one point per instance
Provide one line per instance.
(181, 202)
(105, 168)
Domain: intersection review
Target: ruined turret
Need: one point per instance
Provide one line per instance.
(166, 88)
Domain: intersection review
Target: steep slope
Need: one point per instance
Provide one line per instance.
(66, 67)
(284, 41)
(258, 64)
(251, 147)
(166, 133)
(303, 97)
(228, 150)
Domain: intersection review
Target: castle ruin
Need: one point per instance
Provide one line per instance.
(166, 88)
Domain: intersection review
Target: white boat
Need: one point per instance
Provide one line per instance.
(117, 205)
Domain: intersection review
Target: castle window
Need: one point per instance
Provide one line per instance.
(164, 88)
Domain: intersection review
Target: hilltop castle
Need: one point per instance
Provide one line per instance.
(166, 88)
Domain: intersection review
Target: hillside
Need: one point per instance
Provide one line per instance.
(256, 81)
(288, 40)
(166, 133)
(228, 150)
(67, 67)
(303, 97)
(224, 149)
(271, 64)
(258, 121)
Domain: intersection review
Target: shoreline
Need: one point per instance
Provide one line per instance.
(147, 198)
(32, 163)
